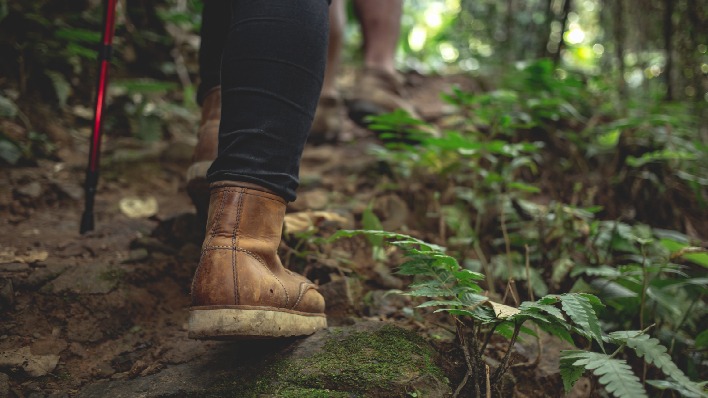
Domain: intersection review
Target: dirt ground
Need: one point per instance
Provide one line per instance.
(112, 304)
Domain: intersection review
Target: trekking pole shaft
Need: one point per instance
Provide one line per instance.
(104, 56)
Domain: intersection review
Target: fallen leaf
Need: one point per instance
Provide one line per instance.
(306, 220)
(33, 365)
(135, 207)
(9, 255)
(502, 311)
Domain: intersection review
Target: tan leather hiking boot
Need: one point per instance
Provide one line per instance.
(376, 92)
(205, 151)
(241, 289)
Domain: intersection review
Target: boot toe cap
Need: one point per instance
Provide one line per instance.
(310, 301)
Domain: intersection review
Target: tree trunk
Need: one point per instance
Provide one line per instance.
(545, 35)
(564, 25)
(509, 40)
(619, 29)
(669, 47)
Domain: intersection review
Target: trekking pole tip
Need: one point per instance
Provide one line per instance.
(86, 222)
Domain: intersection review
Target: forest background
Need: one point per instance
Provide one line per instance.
(578, 164)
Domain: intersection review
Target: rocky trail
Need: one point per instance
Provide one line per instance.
(104, 314)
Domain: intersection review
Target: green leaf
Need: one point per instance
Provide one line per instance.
(602, 270)
(663, 154)
(78, 35)
(481, 314)
(8, 108)
(3, 10)
(672, 385)
(427, 291)
(467, 275)
(403, 241)
(524, 187)
(143, 86)
(527, 306)
(679, 244)
(370, 222)
(610, 290)
(569, 372)
(609, 138)
(81, 51)
(62, 88)
(578, 306)
(557, 329)
(438, 303)
(615, 374)
(9, 152)
(702, 339)
(653, 352)
(473, 300)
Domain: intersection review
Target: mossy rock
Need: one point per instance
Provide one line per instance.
(369, 359)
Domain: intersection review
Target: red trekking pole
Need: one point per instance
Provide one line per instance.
(104, 56)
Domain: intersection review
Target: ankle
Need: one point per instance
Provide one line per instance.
(240, 184)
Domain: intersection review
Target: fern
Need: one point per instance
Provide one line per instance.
(615, 374)
(569, 372)
(545, 305)
(654, 353)
(455, 290)
(664, 384)
(579, 308)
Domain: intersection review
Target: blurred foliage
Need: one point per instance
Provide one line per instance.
(626, 48)
(593, 36)
(534, 184)
(53, 71)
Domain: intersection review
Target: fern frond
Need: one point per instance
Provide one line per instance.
(673, 385)
(569, 372)
(558, 330)
(615, 374)
(654, 353)
(440, 303)
(538, 305)
(578, 306)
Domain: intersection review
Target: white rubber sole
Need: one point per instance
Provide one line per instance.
(226, 323)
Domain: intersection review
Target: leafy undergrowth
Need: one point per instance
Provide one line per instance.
(455, 290)
(540, 189)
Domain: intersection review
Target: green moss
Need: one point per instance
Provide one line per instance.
(362, 361)
(114, 275)
(304, 392)
(384, 361)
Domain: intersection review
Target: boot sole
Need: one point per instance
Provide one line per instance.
(360, 110)
(240, 322)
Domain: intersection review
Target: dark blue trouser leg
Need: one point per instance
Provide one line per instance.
(216, 17)
(271, 77)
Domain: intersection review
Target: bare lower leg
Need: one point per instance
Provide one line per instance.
(381, 26)
(337, 17)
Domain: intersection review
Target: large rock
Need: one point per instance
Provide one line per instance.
(369, 359)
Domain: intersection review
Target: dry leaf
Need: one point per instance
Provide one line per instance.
(33, 365)
(297, 222)
(9, 255)
(502, 311)
(135, 207)
(305, 220)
